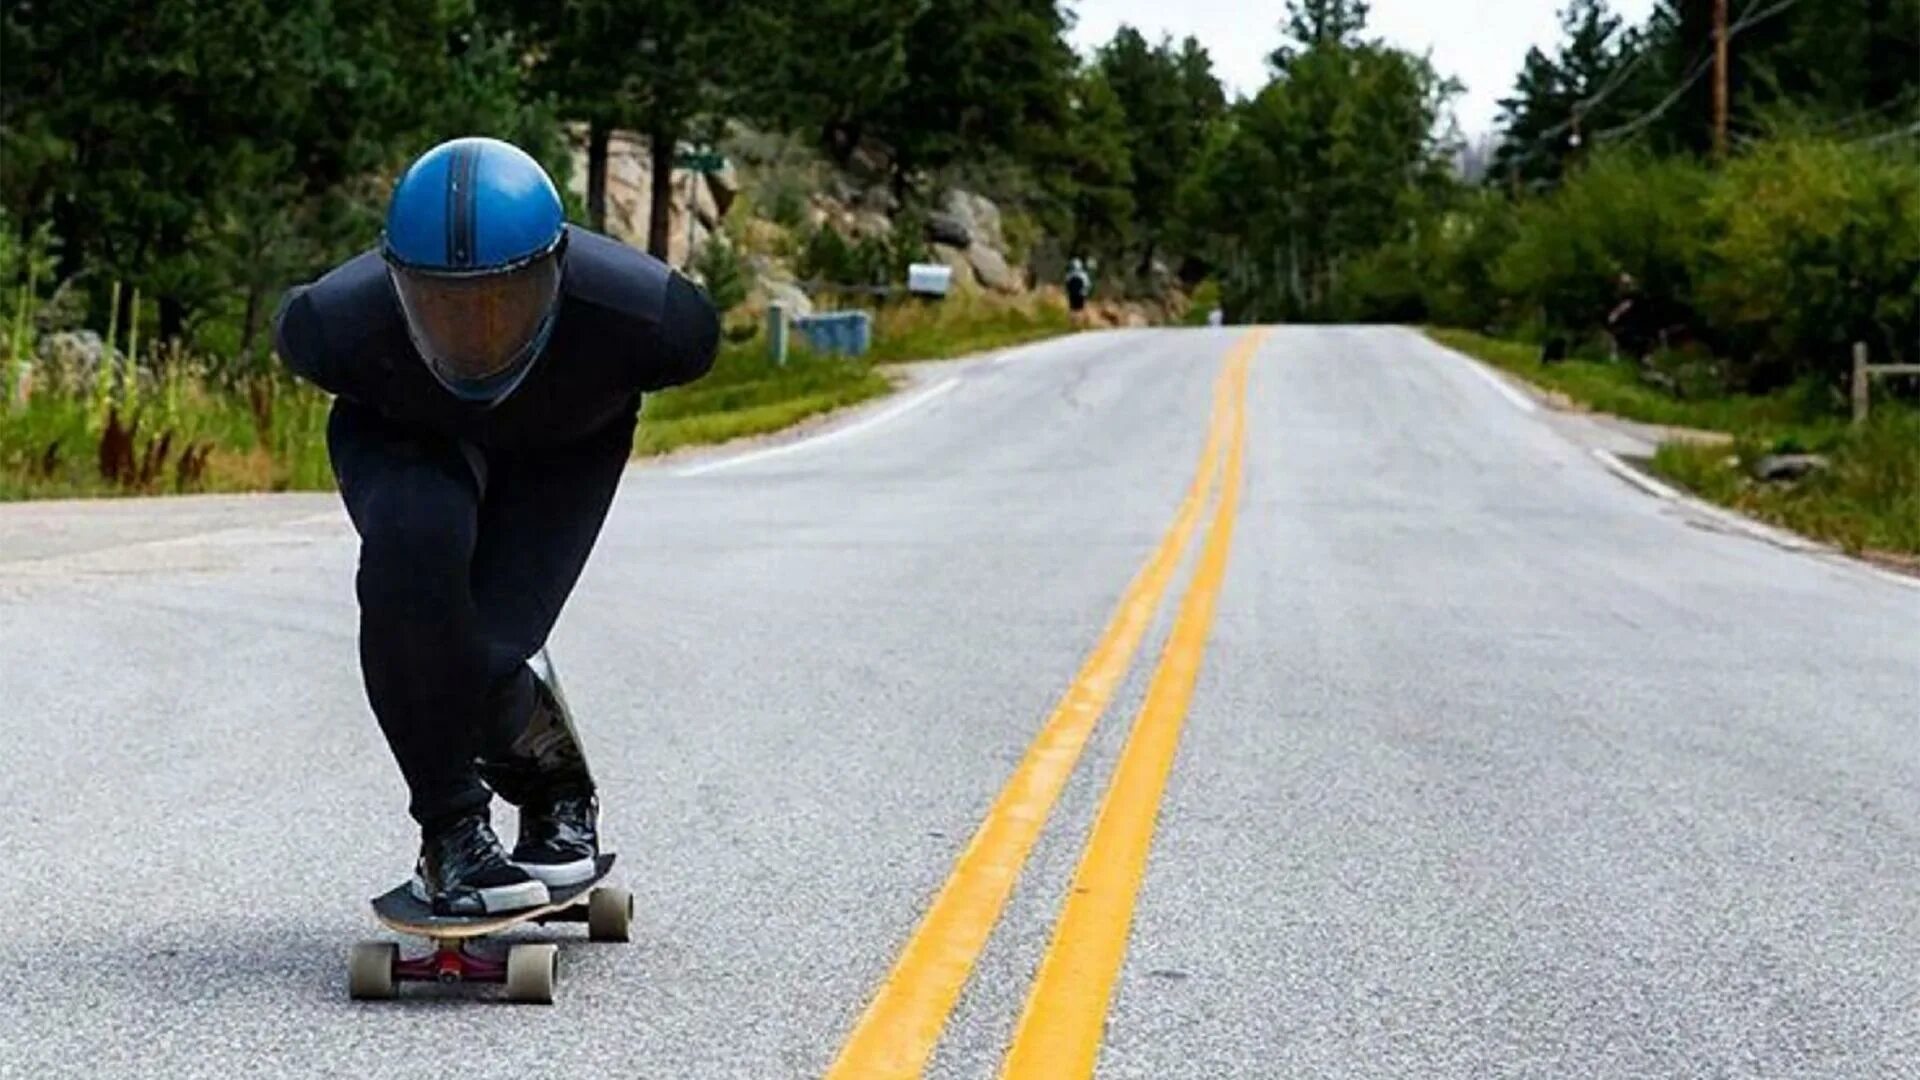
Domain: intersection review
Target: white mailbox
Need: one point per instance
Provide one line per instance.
(929, 279)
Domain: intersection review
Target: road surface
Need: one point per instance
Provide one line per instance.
(1469, 758)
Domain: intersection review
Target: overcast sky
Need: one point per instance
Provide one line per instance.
(1479, 42)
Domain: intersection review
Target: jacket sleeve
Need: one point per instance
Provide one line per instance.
(684, 341)
(300, 339)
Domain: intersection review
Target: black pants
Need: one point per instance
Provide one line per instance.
(466, 557)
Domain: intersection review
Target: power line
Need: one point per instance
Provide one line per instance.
(1747, 20)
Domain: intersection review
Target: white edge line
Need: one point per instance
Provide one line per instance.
(822, 439)
(1519, 400)
(1888, 575)
(1746, 526)
(1634, 476)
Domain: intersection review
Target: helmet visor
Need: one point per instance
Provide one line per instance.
(473, 327)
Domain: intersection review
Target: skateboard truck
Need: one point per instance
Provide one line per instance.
(375, 969)
(450, 962)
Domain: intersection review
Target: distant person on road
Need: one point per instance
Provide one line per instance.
(487, 362)
(1079, 287)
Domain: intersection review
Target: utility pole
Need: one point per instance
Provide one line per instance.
(1719, 78)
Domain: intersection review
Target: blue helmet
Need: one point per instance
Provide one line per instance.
(474, 240)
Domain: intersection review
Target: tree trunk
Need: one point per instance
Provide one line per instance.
(599, 133)
(660, 147)
(173, 318)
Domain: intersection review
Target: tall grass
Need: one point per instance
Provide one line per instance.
(1867, 500)
(53, 446)
(962, 324)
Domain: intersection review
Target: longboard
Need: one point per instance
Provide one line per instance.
(374, 969)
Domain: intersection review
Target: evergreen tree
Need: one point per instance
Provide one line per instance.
(1560, 102)
(1169, 98)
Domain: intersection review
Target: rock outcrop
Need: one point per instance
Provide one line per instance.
(701, 197)
(965, 231)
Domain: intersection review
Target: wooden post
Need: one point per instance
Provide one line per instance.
(777, 333)
(1862, 394)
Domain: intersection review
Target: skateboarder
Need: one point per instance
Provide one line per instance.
(487, 362)
(1079, 286)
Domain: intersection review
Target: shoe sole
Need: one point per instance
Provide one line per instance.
(496, 899)
(560, 875)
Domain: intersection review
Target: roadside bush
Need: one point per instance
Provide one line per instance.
(1206, 297)
(1816, 245)
(726, 276)
(1441, 272)
(1626, 212)
(1468, 241)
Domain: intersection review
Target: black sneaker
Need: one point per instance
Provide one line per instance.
(560, 840)
(544, 761)
(463, 871)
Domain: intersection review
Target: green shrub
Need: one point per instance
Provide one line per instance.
(1816, 245)
(1467, 242)
(1625, 212)
(1206, 297)
(727, 277)
(1867, 500)
(828, 256)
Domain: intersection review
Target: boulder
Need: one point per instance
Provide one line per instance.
(72, 353)
(723, 187)
(1788, 466)
(879, 197)
(945, 228)
(978, 215)
(870, 225)
(991, 268)
(705, 206)
(787, 294)
(773, 283)
(683, 241)
(955, 259)
(630, 195)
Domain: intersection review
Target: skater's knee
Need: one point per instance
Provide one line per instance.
(414, 553)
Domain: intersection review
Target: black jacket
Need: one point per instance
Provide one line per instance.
(627, 324)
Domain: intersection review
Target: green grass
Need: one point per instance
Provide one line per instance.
(746, 394)
(961, 325)
(1868, 501)
(51, 448)
(1618, 389)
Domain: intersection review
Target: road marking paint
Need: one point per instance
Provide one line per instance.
(1634, 476)
(871, 422)
(1892, 576)
(1520, 401)
(897, 1033)
(1061, 1026)
(1745, 526)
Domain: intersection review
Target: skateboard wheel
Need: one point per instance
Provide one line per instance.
(609, 914)
(530, 972)
(370, 970)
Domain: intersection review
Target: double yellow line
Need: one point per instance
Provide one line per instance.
(1060, 1029)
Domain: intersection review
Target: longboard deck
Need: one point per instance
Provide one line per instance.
(401, 911)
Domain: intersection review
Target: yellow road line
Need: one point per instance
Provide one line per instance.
(897, 1033)
(1060, 1029)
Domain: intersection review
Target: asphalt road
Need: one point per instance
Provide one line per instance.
(1495, 765)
